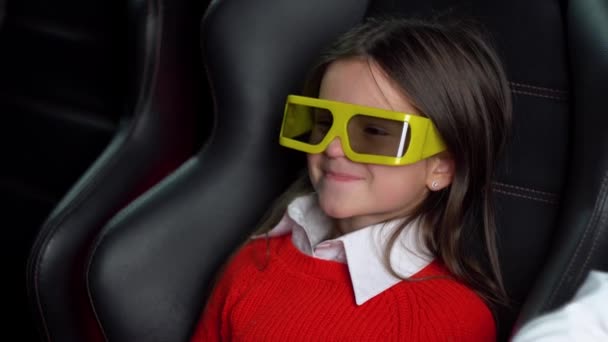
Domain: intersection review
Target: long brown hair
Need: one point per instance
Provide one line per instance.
(451, 74)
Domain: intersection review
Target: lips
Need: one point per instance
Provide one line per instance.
(341, 176)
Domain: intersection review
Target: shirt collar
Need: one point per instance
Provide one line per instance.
(364, 248)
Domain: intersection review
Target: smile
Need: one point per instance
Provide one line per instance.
(341, 177)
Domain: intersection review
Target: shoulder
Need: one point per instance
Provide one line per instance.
(451, 308)
(240, 270)
(253, 256)
(250, 255)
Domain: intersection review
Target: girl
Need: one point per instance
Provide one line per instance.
(391, 234)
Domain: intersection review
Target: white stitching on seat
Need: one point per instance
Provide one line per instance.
(544, 193)
(526, 196)
(538, 95)
(539, 88)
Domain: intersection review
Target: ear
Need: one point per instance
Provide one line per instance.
(440, 171)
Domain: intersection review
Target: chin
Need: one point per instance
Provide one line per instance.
(335, 210)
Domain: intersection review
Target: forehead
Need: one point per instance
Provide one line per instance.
(362, 82)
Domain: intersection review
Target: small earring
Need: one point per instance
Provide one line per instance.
(434, 185)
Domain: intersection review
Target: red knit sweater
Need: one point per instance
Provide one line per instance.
(300, 298)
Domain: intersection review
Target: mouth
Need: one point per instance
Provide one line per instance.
(341, 177)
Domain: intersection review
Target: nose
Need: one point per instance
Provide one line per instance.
(334, 149)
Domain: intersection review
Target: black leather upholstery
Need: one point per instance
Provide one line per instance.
(2, 11)
(152, 263)
(164, 249)
(581, 241)
(160, 120)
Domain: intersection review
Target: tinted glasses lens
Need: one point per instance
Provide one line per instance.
(306, 124)
(371, 135)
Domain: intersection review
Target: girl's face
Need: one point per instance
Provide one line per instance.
(357, 194)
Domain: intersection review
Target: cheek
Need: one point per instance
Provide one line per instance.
(314, 168)
(401, 186)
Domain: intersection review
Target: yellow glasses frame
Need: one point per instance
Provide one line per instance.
(425, 140)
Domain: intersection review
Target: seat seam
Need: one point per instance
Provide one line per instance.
(523, 85)
(87, 189)
(549, 201)
(560, 98)
(518, 187)
(588, 228)
(142, 105)
(601, 225)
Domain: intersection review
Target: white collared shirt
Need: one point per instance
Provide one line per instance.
(361, 250)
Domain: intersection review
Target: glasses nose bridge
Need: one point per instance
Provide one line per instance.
(339, 133)
(338, 125)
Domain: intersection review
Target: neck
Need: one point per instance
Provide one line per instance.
(351, 224)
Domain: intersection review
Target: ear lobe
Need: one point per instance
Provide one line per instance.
(441, 171)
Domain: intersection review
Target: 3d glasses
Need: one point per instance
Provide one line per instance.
(368, 135)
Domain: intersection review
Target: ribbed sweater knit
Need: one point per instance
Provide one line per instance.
(270, 291)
